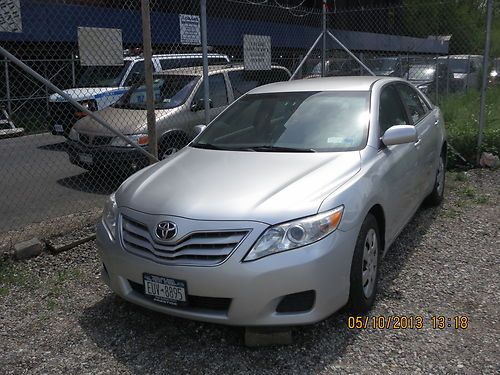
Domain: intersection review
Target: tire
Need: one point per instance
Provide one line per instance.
(365, 267)
(437, 195)
(171, 144)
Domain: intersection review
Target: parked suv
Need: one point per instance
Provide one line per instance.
(179, 104)
(465, 69)
(101, 86)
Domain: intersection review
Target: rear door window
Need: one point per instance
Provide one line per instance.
(391, 109)
(412, 102)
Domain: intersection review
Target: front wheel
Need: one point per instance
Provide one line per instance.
(365, 267)
(437, 195)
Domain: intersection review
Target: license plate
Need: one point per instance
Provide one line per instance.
(59, 128)
(86, 158)
(165, 290)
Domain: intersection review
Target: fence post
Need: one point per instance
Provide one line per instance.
(7, 87)
(323, 47)
(73, 73)
(484, 84)
(148, 71)
(448, 75)
(468, 73)
(204, 49)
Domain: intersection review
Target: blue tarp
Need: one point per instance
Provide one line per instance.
(49, 22)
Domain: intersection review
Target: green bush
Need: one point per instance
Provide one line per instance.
(461, 115)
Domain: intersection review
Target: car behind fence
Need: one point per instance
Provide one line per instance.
(65, 162)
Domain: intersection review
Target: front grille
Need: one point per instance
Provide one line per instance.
(193, 302)
(90, 140)
(203, 248)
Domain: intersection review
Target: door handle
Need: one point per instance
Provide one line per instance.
(436, 122)
(417, 143)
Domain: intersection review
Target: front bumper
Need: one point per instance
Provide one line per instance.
(105, 157)
(253, 289)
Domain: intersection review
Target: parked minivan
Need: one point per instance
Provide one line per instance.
(179, 104)
(101, 86)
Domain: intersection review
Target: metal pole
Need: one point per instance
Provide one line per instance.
(484, 84)
(448, 74)
(323, 48)
(437, 80)
(7, 87)
(148, 72)
(73, 74)
(306, 56)
(350, 53)
(68, 98)
(204, 48)
(468, 73)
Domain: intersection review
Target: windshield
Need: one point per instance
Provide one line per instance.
(103, 76)
(382, 65)
(421, 72)
(170, 91)
(291, 121)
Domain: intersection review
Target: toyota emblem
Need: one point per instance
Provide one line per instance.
(166, 230)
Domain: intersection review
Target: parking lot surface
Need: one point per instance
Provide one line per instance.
(57, 317)
(40, 183)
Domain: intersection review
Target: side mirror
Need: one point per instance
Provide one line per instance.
(198, 129)
(199, 104)
(399, 134)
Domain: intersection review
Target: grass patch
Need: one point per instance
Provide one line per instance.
(467, 191)
(461, 115)
(481, 199)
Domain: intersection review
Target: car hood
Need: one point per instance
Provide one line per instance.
(84, 93)
(267, 187)
(127, 121)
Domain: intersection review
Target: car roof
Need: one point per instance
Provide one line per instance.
(344, 83)
(198, 70)
(177, 56)
(460, 57)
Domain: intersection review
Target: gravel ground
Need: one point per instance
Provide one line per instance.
(57, 318)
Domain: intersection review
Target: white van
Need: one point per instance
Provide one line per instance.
(101, 86)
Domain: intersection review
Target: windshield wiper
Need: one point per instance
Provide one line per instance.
(209, 146)
(279, 149)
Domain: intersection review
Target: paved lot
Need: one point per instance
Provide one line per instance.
(38, 182)
(57, 318)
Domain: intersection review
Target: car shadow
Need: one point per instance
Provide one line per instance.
(60, 146)
(150, 342)
(95, 183)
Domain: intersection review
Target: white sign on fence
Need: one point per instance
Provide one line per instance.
(189, 26)
(10, 16)
(100, 46)
(257, 52)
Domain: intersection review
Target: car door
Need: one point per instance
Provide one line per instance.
(425, 121)
(397, 163)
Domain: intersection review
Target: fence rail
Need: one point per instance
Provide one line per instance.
(205, 55)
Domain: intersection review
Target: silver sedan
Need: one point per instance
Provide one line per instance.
(281, 210)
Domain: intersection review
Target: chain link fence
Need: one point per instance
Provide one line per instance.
(67, 158)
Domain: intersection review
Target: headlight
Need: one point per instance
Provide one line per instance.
(91, 105)
(73, 135)
(110, 214)
(493, 73)
(295, 234)
(140, 139)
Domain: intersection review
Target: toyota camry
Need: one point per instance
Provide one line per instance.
(281, 210)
